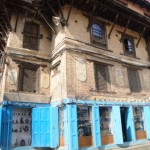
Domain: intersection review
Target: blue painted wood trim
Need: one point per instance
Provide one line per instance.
(117, 127)
(98, 102)
(96, 126)
(70, 127)
(24, 104)
(74, 101)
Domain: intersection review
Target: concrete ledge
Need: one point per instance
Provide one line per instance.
(26, 97)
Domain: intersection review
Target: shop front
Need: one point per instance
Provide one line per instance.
(90, 124)
(28, 126)
(73, 125)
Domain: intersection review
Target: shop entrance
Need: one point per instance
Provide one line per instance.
(21, 127)
(124, 122)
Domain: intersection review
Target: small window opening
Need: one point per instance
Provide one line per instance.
(97, 31)
(128, 45)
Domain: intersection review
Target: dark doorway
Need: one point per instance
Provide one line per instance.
(123, 121)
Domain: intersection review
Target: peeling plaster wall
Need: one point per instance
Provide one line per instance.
(58, 88)
(73, 79)
(78, 37)
(118, 88)
(15, 47)
(11, 85)
(77, 30)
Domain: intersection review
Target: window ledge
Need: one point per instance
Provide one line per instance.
(102, 48)
(99, 91)
(137, 93)
(130, 56)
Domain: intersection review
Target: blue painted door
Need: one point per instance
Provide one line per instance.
(147, 120)
(117, 126)
(70, 127)
(6, 128)
(54, 127)
(45, 127)
(130, 129)
(0, 126)
(96, 126)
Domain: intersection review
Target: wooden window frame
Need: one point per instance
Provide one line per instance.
(28, 66)
(131, 39)
(30, 45)
(96, 77)
(99, 42)
(137, 78)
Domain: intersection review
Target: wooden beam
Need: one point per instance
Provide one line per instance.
(140, 36)
(47, 23)
(7, 16)
(124, 15)
(113, 26)
(90, 19)
(52, 9)
(16, 24)
(125, 29)
(59, 4)
(69, 12)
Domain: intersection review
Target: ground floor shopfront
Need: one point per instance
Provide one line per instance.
(72, 124)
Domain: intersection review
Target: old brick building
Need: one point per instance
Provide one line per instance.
(77, 74)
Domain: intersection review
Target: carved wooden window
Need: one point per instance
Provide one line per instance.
(101, 77)
(134, 80)
(98, 37)
(28, 78)
(128, 45)
(31, 36)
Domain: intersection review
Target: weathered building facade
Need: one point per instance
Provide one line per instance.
(77, 75)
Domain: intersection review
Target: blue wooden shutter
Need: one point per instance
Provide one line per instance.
(0, 125)
(72, 127)
(41, 127)
(54, 137)
(130, 129)
(147, 120)
(117, 126)
(6, 128)
(96, 126)
(66, 133)
(45, 127)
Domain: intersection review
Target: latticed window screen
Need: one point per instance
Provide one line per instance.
(101, 77)
(134, 80)
(31, 36)
(28, 79)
